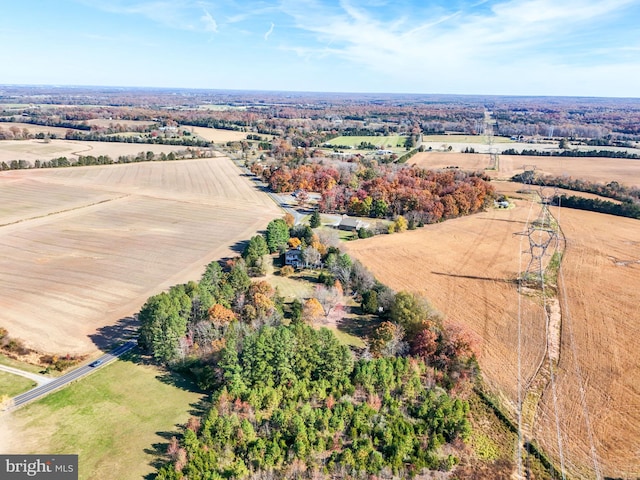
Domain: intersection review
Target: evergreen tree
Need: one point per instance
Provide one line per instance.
(314, 221)
(277, 235)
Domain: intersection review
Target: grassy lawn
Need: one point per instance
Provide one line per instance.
(13, 385)
(27, 367)
(117, 420)
(391, 141)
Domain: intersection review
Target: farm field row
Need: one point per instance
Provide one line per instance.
(32, 150)
(35, 129)
(466, 268)
(385, 142)
(465, 139)
(142, 228)
(217, 135)
(599, 296)
(596, 169)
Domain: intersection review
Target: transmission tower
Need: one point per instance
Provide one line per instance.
(542, 232)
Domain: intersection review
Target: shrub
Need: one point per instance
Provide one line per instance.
(286, 271)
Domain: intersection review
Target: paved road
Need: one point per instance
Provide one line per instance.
(39, 379)
(64, 380)
(278, 199)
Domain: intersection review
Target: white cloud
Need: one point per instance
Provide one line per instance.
(269, 32)
(470, 46)
(210, 25)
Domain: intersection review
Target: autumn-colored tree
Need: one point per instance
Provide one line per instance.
(289, 220)
(220, 315)
(294, 242)
(262, 287)
(389, 340)
(312, 311)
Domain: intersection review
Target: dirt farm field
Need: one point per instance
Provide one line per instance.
(464, 267)
(601, 327)
(217, 135)
(35, 129)
(84, 247)
(32, 150)
(467, 268)
(595, 169)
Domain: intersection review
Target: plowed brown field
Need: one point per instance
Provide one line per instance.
(465, 267)
(84, 247)
(601, 327)
(32, 150)
(595, 169)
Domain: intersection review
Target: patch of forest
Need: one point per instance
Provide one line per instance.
(289, 400)
(380, 191)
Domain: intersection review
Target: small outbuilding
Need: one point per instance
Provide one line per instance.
(350, 224)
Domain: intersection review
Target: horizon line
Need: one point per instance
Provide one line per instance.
(306, 92)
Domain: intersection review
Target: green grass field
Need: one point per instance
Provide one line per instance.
(391, 142)
(27, 367)
(117, 420)
(13, 385)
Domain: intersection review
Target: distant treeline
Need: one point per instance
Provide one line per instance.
(611, 190)
(625, 209)
(235, 125)
(187, 141)
(572, 153)
(46, 122)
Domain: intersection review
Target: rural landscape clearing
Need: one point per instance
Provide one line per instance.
(320, 286)
(92, 243)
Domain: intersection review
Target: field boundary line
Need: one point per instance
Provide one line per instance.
(37, 217)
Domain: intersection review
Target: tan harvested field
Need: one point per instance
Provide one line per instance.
(95, 242)
(105, 122)
(32, 150)
(601, 327)
(217, 135)
(595, 169)
(517, 190)
(467, 269)
(463, 266)
(34, 129)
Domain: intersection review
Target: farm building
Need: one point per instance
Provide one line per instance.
(351, 224)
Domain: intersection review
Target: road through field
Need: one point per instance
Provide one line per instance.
(95, 242)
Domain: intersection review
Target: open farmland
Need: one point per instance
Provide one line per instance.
(32, 150)
(464, 266)
(467, 268)
(107, 237)
(600, 294)
(35, 129)
(217, 135)
(596, 169)
(106, 123)
(390, 142)
(463, 139)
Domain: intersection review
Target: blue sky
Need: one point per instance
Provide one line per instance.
(514, 47)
